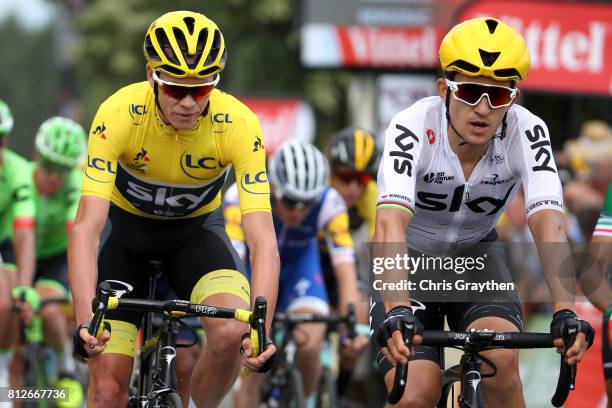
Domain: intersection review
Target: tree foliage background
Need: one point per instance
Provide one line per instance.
(263, 52)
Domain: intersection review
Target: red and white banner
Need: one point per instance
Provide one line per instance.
(327, 45)
(570, 43)
(282, 119)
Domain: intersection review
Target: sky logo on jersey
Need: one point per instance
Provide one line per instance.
(222, 118)
(403, 165)
(543, 154)
(166, 200)
(250, 183)
(438, 202)
(99, 131)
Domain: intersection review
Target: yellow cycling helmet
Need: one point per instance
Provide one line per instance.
(185, 44)
(485, 46)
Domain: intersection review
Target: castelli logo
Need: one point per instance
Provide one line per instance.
(431, 136)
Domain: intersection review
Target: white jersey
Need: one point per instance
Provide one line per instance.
(420, 171)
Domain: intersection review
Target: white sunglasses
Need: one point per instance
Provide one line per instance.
(471, 93)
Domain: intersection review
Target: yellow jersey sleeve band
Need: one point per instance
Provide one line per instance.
(221, 281)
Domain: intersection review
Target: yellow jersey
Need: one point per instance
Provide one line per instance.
(150, 169)
(365, 208)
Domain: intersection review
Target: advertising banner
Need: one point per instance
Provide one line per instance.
(282, 119)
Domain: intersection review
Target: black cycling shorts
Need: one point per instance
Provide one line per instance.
(187, 248)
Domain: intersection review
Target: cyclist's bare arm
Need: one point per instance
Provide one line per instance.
(263, 251)
(346, 276)
(548, 230)
(83, 253)
(548, 227)
(25, 254)
(594, 280)
(391, 227)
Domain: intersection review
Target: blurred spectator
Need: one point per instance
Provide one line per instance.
(589, 157)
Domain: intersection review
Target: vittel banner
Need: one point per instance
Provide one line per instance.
(570, 43)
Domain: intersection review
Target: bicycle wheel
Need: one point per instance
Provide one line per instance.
(327, 397)
(292, 393)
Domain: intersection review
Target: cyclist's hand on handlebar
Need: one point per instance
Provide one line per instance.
(256, 364)
(389, 336)
(88, 346)
(29, 302)
(584, 335)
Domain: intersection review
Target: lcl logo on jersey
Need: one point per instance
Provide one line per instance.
(249, 182)
(100, 164)
(192, 165)
(439, 202)
(403, 164)
(222, 118)
(543, 154)
(137, 112)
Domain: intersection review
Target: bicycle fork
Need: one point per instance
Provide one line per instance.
(471, 393)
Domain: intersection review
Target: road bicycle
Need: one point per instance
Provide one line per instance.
(284, 388)
(156, 382)
(468, 371)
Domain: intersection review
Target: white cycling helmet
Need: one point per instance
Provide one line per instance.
(298, 171)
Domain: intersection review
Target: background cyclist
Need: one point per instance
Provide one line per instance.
(303, 206)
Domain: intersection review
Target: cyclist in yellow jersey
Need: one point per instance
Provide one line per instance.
(159, 152)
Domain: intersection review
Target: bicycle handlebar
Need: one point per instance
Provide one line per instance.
(177, 309)
(484, 340)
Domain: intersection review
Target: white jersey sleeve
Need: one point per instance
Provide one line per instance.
(402, 151)
(538, 171)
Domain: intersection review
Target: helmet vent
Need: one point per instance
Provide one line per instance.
(150, 50)
(508, 73)
(214, 49)
(190, 23)
(165, 45)
(492, 24)
(465, 66)
(488, 58)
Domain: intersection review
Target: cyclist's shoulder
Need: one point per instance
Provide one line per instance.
(13, 162)
(135, 93)
(228, 109)
(521, 120)
(331, 202)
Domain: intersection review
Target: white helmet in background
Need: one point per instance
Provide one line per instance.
(299, 171)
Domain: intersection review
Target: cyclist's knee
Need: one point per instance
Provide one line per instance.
(109, 392)
(417, 399)
(224, 340)
(507, 380)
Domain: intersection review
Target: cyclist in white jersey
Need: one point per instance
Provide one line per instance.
(451, 164)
